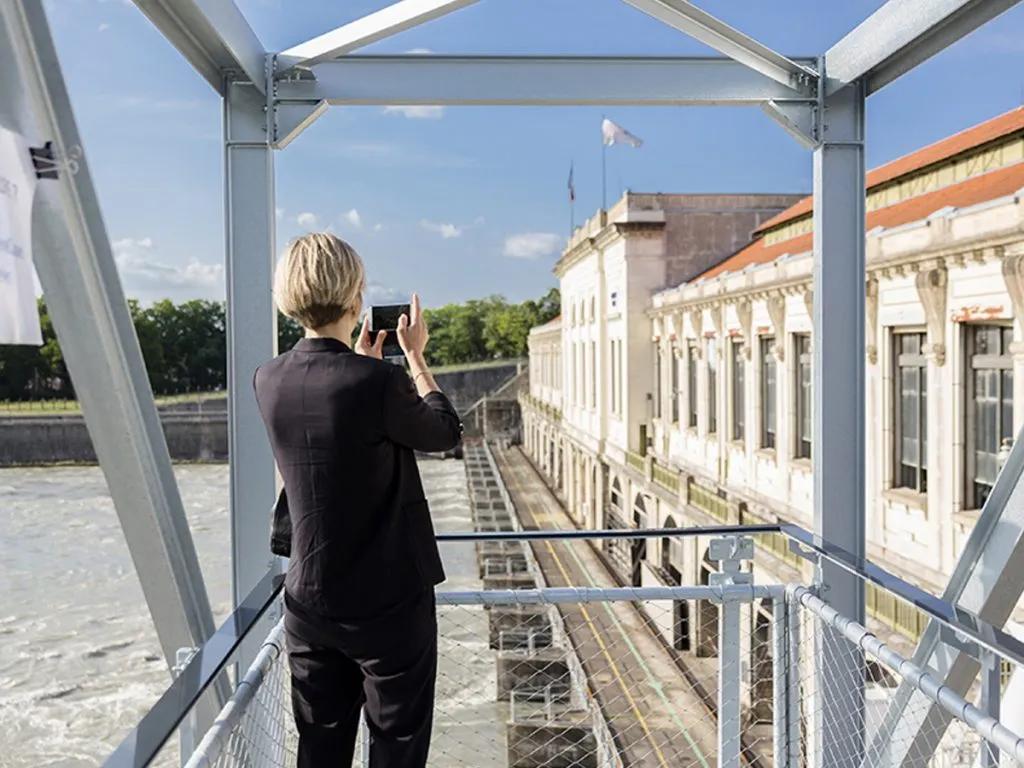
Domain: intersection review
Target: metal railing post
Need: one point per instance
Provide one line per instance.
(991, 695)
(780, 683)
(730, 552)
(793, 687)
(364, 741)
(188, 736)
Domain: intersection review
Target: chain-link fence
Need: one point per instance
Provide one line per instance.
(860, 702)
(557, 677)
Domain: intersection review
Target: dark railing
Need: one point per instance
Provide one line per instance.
(144, 743)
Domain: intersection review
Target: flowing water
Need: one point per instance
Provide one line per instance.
(79, 658)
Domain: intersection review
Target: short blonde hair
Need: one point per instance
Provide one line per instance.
(319, 280)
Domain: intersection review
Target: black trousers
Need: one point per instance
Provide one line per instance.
(386, 665)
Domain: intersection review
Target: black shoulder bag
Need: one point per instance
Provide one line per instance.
(281, 527)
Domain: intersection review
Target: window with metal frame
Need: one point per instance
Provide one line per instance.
(674, 362)
(738, 390)
(910, 411)
(712, 366)
(769, 402)
(656, 386)
(988, 408)
(691, 385)
(804, 404)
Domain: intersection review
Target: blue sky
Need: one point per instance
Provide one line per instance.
(464, 202)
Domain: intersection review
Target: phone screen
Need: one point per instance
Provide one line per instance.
(385, 318)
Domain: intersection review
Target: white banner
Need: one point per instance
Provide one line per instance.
(19, 317)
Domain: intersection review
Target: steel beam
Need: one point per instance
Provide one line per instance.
(84, 296)
(838, 392)
(251, 333)
(370, 29)
(988, 581)
(534, 80)
(901, 35)
(213, 36)
(705, 28)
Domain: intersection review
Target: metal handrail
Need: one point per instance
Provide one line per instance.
(143, 744)
(146, 740)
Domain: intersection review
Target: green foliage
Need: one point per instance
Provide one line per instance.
(185, 345)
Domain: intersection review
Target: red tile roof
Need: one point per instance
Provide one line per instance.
(958, 143)
(980, 189)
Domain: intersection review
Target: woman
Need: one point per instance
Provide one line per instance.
(359, 595)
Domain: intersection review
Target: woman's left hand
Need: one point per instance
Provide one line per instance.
(366, 347)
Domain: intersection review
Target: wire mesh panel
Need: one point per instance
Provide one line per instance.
(601, 683)
(956, 732)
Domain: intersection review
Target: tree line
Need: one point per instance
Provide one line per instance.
(185, 345)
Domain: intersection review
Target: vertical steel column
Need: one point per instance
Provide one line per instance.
(252, 340)
(991, 695)
(839, 389)
(251, 328)
(79, 277)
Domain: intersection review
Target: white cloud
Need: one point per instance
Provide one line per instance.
(446, 231)
(279, 212)
(416, 111)
(382, 294)
(307, 220)
(103, 27)
(378, 227)
(353, 218)
(147, 277)
(532, 245)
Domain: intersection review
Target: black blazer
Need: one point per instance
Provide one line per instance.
(343, 428)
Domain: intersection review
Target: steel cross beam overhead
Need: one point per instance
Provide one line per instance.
(534, 80)
(369, 29)
(901, 35)
(705, 28)
(213, 36)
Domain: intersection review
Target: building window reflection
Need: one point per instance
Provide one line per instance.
(910, 412)
(989, 408)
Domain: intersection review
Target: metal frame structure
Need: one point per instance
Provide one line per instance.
(270, 98)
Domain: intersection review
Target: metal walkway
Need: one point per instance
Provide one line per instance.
(656, 718)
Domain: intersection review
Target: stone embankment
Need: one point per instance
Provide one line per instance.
(197, 430)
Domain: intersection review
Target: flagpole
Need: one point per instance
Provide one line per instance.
(604, 168)
(604, 176)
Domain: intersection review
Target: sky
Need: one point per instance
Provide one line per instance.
(458, 203)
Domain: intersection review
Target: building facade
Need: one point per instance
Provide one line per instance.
(680, 398)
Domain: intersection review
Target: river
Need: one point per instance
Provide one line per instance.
(79, 659)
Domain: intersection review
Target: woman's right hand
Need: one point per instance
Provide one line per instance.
(412, 330)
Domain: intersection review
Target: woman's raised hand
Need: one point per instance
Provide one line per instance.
(370, 348)
(412, 330)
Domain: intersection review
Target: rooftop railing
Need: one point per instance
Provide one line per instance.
(727, 674)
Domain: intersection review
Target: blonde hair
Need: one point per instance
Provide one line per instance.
(319, 280)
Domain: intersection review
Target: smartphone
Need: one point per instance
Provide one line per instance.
(385, 318)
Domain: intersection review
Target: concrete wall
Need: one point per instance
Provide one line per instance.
(195, 431)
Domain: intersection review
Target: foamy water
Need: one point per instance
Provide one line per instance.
(79, 658)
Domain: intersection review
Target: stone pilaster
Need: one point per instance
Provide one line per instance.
(932, 285)
(871, 315)
(745, 313)
(776, 305)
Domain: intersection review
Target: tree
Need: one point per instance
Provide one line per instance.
(185, 345)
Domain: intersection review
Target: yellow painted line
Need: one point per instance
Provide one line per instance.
(597, 635)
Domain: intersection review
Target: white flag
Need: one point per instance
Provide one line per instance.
(19, 317)
(615, 134)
